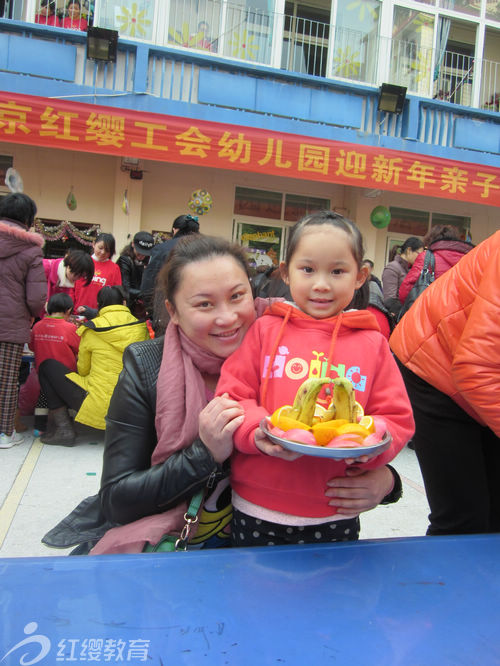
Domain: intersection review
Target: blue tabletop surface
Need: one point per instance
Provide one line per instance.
(418, 601)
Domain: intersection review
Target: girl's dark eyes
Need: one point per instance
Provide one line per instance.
(307, 269)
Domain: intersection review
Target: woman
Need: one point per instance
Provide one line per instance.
(400, 260)
(165, 437)
(445, 243)
(88, 391)
(154, 300)
(131, 262)
(23, 289)
(449, 346)
(73, 19)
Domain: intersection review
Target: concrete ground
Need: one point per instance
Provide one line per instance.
(40, 484)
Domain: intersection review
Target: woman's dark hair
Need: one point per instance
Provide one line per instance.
(18, 207)
(333, 219)
(51, 4)
(80, 263)
(73, 2)
(109, 242)
(411, 243)
(128, 251)
(186, 224)
(110, 296)
(61, 302)
(441, 232)
(192, 249)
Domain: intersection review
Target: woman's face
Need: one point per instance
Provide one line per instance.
(100, 251)
(410, 255)
(74, 11)
(214, 304)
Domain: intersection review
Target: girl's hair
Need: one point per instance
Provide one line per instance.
(128, 251)
(61, 302)
(80, 263)
(18, 207)
(333, 219)
(109, 242)
(192, 249)
(411, 243)
(51, 4)
(110, 296)
(186, 224)
(441, 232)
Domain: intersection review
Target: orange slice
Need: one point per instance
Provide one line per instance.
(327, 430)
(280, 419)
(354, 429)
(368, 423)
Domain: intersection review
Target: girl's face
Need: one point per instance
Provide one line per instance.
(100, 251)
(214, 304)
(323, 272)
(72, 277)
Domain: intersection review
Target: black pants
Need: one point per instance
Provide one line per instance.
(58, 389)
(459, 460)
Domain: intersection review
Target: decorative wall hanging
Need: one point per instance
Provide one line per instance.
(200, 202)
(62, 231)
(71, 200)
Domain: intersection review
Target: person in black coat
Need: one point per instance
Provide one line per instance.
(132, 261)
(154, 301)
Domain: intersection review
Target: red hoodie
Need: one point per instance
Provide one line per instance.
(106, 274)
(300, 346)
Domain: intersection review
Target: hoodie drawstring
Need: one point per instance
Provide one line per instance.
(271, 358)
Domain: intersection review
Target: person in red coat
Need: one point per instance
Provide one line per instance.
(73, 18)
(55, 336)
(47, 14)
(106, 274)
(444, 241)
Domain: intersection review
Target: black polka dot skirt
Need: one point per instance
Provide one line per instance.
(249, 531)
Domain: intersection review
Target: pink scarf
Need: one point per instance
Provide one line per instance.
(176, 423)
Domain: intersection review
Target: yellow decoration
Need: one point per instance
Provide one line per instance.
(133, 22)
(243, 46)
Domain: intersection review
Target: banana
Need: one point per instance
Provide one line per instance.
(305, 398)
(344, 400)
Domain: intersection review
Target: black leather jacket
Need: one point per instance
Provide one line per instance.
(130, 487)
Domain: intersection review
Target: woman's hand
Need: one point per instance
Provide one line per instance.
(269, 448)
(217, 424)
(360, 490)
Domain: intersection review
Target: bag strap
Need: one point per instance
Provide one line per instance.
(191, 517)
(429, 261)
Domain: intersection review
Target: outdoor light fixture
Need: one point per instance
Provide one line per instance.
(102, 44)
(391, 98)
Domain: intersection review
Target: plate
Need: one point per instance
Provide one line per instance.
(323, 451)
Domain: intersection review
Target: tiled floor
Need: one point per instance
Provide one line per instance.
(41, 484)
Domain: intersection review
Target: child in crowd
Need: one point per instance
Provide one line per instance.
(106, 274)
(55, 336)
(278, 495)
(62, 273)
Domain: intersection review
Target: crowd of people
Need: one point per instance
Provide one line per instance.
(182, 404)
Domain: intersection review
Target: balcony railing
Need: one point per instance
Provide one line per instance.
(287, 42)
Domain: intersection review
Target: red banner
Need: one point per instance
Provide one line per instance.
(57, 123)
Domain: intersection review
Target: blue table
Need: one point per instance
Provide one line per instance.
(419, 601)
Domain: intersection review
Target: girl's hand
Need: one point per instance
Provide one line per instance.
(80, 309)
(359, 491)
(217, 424)
(271, 449)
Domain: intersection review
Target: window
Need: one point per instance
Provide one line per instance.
(6, 161)
(409, 222)
(296, 206)
(258, 203)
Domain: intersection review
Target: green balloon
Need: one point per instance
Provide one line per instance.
(380, 217)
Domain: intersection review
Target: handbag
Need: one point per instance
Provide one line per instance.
(425, 278)
(170, 543)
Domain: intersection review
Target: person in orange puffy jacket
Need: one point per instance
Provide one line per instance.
(448, 346)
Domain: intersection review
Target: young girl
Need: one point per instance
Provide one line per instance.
(106, 274)
(278, 496)
(62, 273)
